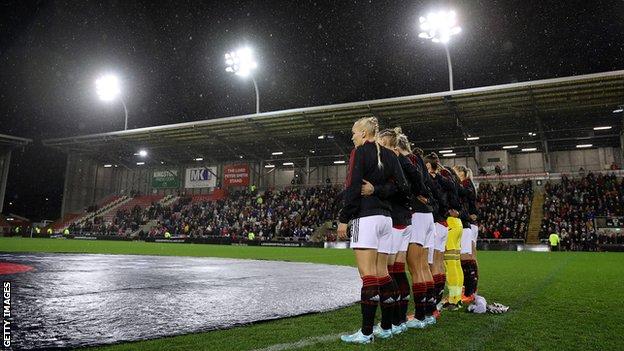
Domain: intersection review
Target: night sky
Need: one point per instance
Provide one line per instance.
(170, 58)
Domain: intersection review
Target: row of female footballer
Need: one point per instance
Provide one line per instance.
(403, 207)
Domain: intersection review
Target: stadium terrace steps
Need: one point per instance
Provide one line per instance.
(537, 214)
(165, 201)
(145, 227)
(103, 207)
(169, 200)
(141, 201)
(75, 218)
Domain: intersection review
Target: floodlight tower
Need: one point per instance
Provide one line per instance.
(108, 88)
(439, 27)
(242, 63)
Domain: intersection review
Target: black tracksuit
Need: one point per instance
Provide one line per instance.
(450, 190)
(468, 197)
(363, 166)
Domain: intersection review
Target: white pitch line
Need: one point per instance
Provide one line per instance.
(302, 343)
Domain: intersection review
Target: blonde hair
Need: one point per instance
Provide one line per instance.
(392, 135)
(467, 171)
(371, 126)
(396, 138)
(403, 143)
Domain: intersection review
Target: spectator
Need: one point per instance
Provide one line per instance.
(504, 209)
(498, 170)
(571, 206)
(291, 214)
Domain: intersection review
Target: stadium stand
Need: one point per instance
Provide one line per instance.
(291, 213)
(296, 213)
(571, 206)
(504, 210)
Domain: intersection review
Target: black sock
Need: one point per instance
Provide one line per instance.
(396, 307)
(465, 265)
(419, 290)
(439, 281)
(386, 301)
(404, 293)
(431, 298)
(470, 277)
(368, 303)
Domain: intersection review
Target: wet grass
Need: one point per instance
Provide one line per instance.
(559, 301)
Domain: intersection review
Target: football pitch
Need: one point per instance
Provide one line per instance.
(558, 301)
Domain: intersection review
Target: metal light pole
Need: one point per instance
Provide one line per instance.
(450, 67)
(108, 88)
(126, 112)
(242, 63)
(257, 95)
(439, 27)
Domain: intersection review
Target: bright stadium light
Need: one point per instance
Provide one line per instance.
(583, 146)
(269, 166)
(446, 151)
(510, 147)
(198, 159)
(339, 162)
(472, 138)
(242, 63)
(529, 149)
(140, 163)
(288, 164)
(450, 155)
(603, 128)
(108, 88)
(439, 27)
(142, 153)
(108, 166)
(277, 153)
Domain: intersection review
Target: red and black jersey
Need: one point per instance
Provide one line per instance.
(451, 188)
(420, 183)
(387, 180)
(468, 197)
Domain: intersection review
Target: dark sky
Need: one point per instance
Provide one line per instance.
(170, 57)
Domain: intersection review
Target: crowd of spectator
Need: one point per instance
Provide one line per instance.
(125, 222)
(291, 213)
(504, 210)
(571, 206)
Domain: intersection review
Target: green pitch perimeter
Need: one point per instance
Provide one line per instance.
(559, 301)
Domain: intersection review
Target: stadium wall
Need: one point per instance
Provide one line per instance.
(280, 177)
(595, 159)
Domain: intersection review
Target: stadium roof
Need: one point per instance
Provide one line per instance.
(11, 142)
(563, 111)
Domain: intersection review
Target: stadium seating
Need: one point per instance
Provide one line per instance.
(141, 201)
(292, 213)
(295, 213)
(504, 210)
(571, 206)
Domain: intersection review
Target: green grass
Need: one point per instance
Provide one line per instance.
(559, 301)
